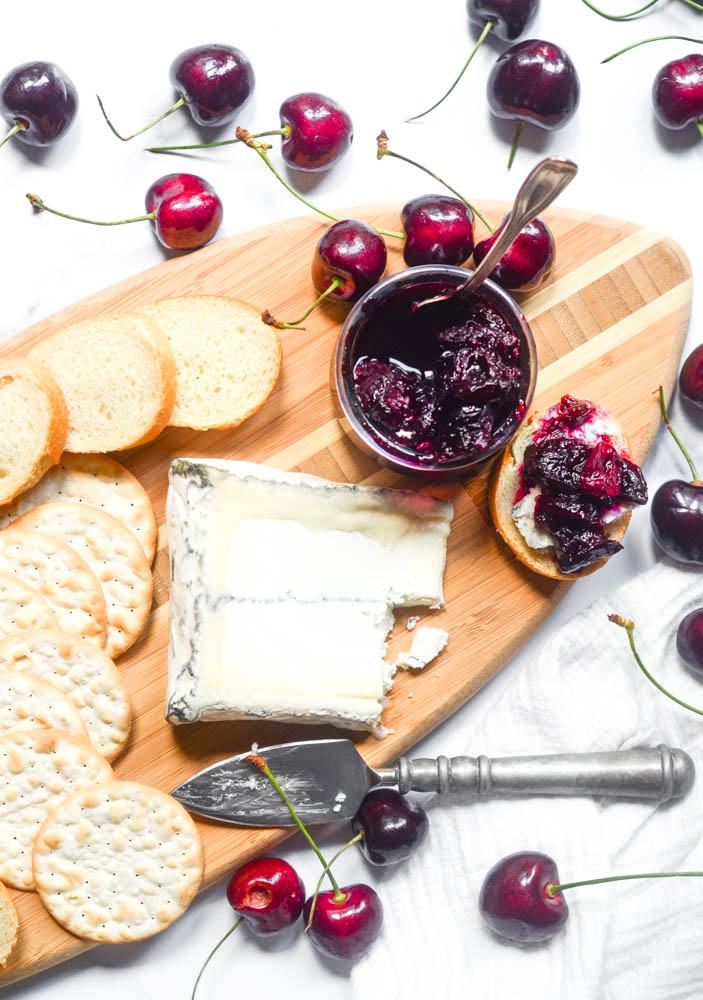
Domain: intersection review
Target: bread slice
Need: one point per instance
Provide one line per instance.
(227, 359)
(34, 421)
(9, 926)
(503, 487)
(118, 376)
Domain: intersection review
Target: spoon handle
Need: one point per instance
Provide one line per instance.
(539, 189)
(657, 773)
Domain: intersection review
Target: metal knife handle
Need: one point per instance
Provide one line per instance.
(656, 773)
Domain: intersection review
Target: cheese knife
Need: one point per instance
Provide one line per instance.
(326, 780)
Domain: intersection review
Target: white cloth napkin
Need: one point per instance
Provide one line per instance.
(623, 940)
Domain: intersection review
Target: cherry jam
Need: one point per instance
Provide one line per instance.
(443, 383)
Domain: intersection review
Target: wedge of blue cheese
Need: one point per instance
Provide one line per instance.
(283, 588)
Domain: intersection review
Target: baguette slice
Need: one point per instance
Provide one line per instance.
(504, 484)
(9, 926)
(34, 421)
(227, 359)
(118, 376)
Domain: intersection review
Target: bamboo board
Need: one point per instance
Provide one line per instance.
(609, 326)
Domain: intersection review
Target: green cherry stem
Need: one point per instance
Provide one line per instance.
(646, 41)
(552, 889)
(205, 964)
(125, 138)
(286, 130)
(629, 627)
(354, 840)
(17, 127)
(262, 149)
(516, 141)
(482, 37)
(258, 761)
(692, 3)
(620, 17)
(677, 439)
(295, 324)
(699, 125)
(383, 150)
(37, 203)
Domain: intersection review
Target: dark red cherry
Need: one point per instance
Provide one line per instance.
(509, 17)
(515, 902)
(188, 211)
(268, 893)
(438, 230)
(215, 80)
(321, 132)
(691, 377)
(534, 81)
(677, 520)
(39, 101)
(353, 252)
(527, 263)
(678, 92)
(345, 927)
(689, 640)
(393, 825)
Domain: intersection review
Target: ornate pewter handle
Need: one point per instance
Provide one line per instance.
(655, 773)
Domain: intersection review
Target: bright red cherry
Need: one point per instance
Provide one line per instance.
(320, 132)
(527, 263)
(38, 101)
(345, 926)
(691, 377)
(678, 92)
(438, 230)
(268, 893)
(515, 900)
(351, 252)
(394, 826)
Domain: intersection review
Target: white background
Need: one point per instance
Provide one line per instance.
(383, 60)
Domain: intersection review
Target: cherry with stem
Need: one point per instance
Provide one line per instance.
(646, 41)
(262, 149)
(629, 627)
(677, 93)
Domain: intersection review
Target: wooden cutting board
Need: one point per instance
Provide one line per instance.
(609, 326)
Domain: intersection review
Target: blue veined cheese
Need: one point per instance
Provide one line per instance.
(283, 588)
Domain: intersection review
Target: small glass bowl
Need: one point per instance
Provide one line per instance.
(355, 422)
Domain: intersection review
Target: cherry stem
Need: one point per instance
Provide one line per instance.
(125, 138)
(259, 762)
(286, 130)
(482, 37)
(629, 627)
(552, 889)
(692, 3)
(261, 148)
(354, 840)
(383, 150)
(699, 125)
(677, 439)
(205, 964)
(295, 325)
(516, 140)
(620, 17)
(646, 41)
(17, 127)
(37, 203)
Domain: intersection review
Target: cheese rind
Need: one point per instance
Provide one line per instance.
(283, 587)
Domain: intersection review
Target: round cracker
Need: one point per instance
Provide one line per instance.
(81, 671)
(118, 862)
(97, 481)
(113, 554)
(22, 607)
(28, 702)
(61, 577)
(9, 926)
(38, 768)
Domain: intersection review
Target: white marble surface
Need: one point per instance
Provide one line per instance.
(383, 61)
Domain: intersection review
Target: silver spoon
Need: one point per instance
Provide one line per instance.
(539, 189)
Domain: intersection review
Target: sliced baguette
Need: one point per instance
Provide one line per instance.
(118, 376)
(9, 926)
(504, 484)
(227, 359)
(34, 421)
